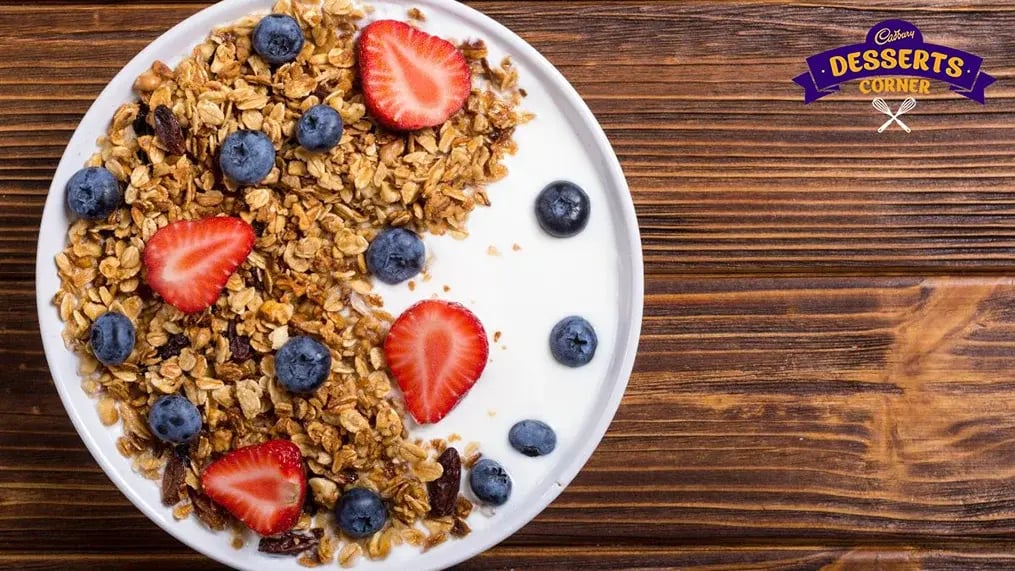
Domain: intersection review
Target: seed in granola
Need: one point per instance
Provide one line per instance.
(168, 130)
(173, 346)
(444, 490)
(291, 542)
(239, 345)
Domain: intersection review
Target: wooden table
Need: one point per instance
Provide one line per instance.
(827, 365)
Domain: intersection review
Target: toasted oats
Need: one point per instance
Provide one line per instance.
(349, 554)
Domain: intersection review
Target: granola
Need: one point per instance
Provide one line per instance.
(314, 217)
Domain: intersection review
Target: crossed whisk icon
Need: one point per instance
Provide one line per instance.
(883, 107)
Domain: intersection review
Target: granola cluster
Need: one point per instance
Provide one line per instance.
(315, 215)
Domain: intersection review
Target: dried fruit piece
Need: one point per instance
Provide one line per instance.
(444, 490)
(173, 346)
(141, 126)
(168, 130)
(239, 345)
(291, 542)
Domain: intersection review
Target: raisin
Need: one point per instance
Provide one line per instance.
(141, 126)
(444, 490)
(168, 130)
(291, 542)
(239, 345)
(173, 346)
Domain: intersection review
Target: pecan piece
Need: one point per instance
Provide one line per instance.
(173, 477)
(291, 542)
(168, 130)
(444, 490)
(207, 511)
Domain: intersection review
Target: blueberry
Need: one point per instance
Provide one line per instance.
(112, 338)
(490, 482)
(361, 513)
(278, 38)
(395, 255)
(573, 341)
(302, 364)
(93, 193)
(247, 156)
(532, 438)
(319, 129)
(562, 209)
(174, 419)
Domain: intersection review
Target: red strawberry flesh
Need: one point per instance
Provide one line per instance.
(262, 485)
(436, 351)
(411, 79)
(188, 262)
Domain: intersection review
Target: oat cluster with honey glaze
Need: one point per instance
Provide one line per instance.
(313, 217)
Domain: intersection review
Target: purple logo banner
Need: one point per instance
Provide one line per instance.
(894, 48)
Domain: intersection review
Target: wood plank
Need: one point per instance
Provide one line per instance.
(766, 409)
(730, 173)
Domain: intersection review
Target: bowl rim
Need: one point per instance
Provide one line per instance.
(630, 255)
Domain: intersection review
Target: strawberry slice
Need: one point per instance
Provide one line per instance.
(410, 79)
(189, 262)
(262, 485)
(436, 350)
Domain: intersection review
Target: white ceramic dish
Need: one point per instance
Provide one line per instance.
(520, 293)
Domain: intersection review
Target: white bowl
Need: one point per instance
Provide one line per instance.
(520, 292)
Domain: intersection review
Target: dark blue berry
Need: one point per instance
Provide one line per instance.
(247, 156)
(490, 482)
(361, 513)
(112, 338)
(395, 255)
(93, 193)
(562, 209)
(573, 341)
(174, 419)
(319, 129)
(532, 438)
(302, 364)
(278, 38)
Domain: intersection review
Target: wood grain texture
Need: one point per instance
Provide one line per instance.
(825, 374)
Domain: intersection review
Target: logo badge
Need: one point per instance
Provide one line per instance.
(894, 59)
